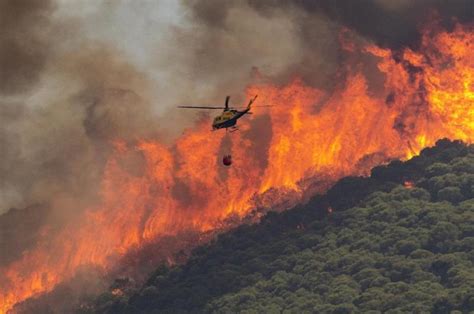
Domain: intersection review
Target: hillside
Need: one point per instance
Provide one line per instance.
(399, 240)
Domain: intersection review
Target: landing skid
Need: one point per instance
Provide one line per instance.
(230, 129)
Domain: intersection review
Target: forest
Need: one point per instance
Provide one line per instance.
(400, 240)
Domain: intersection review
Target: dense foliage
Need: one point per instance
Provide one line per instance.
(384, 246)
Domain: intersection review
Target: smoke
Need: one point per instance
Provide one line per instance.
(24, 48)
(234, 43)
(58, 148)
(388, 23)
(64, 98)
(24, 43)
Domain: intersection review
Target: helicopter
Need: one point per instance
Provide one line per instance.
(228, 118)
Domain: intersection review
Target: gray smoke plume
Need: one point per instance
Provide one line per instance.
(24, 43)
(389, 23)
(63, 99)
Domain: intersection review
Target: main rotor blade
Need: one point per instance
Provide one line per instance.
(254, 106)
(252, 100)
(227, 102)
(200, 107)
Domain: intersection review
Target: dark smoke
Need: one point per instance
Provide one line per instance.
(58, 149)
(389, 23)
(63, 100)
(279, 40)
(392, 24)
(24, 43)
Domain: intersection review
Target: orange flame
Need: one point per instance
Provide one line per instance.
(427, 95)
(409, 184)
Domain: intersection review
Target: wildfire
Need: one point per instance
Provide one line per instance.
(428, 94)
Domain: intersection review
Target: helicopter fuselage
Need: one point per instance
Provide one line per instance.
(228, 118)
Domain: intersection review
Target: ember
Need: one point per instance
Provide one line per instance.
(409, 184)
